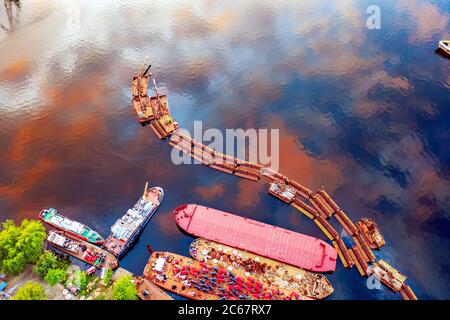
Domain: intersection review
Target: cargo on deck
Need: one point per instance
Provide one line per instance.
(277, 275)
(82, 250)
(198, 280)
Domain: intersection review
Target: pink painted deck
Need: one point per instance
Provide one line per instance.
(263, 239)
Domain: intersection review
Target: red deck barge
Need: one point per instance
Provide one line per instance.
(263, 239)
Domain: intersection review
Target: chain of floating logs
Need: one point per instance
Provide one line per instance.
(318, 206)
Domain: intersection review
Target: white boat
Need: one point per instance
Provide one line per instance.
(445, 46)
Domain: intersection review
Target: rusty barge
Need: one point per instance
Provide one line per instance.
(278, 275)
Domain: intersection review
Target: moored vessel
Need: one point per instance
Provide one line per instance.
(278, 275)
(388, 275)
(290, 247)
(82, 250)
(125, 230)
(444, 45)
(371, 232)
(55, 220)
(200, 281)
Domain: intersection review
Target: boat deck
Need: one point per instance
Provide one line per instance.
(274, 274)
(82, 250)
(201, 281)
(147, 290)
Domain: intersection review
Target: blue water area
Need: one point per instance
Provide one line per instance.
(363, 112)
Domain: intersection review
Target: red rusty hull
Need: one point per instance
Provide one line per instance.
(266, 240)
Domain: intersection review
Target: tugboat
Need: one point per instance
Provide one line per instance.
(444, 45)
(125, 230)
(82, 250)
(55, 220)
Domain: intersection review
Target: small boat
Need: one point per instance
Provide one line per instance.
(445, 46)
(371, 233)
(198, 280)
(55, 220)
(82, 250)
(388, 275)
(278, 275)
(125, 230)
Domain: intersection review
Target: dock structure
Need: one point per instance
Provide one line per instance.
(318, 206)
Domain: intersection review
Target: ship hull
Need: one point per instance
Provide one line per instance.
(293, 248)
(200, 281)
(69, 232)
(306, 284)
(111, 261)
(126, 245)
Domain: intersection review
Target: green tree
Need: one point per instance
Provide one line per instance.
(46, 262)
(108, 276)
(55, 276)
(124, 289)
(20, 245)
(80, 280)
(31, 290)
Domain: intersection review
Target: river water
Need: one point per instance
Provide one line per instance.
(362, 112)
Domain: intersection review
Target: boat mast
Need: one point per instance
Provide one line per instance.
(145, 189)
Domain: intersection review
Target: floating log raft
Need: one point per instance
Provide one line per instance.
(365, 247)
(343, 253)
(359, 260)
(317, 206)
(358, 244)
(388, 275)
(328, 200)
(320, 206)
(301, 190)
(213, 159)
(407, 293)
(275, 274)
(324, 224)
(304, 208)
(371, 232)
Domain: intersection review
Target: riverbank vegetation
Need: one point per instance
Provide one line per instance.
(39, 274)
(20, 245)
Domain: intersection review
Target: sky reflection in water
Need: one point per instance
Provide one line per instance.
(364, 113)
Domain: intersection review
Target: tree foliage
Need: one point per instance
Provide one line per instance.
(124, 289)
(108, 276)
(20, 245)
(31, 290)
(80, 280)
(55, 276)
(46, 262)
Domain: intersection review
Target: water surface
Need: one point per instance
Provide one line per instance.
(362, 112)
